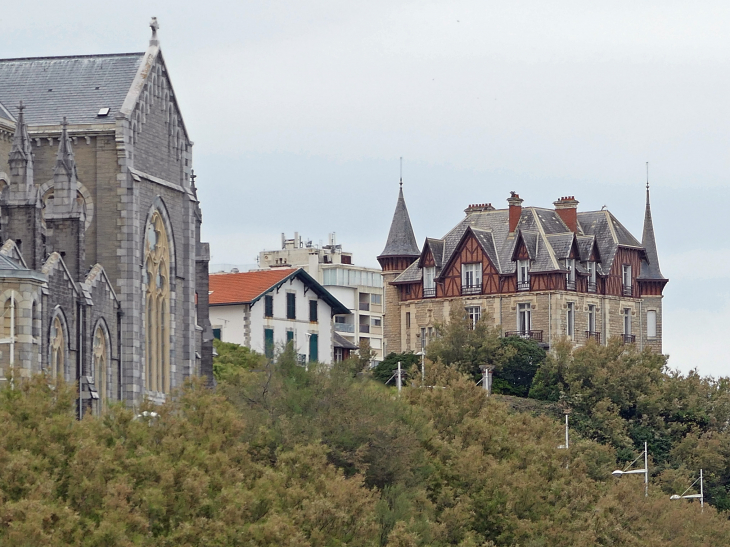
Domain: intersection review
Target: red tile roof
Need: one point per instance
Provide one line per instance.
(238, 288)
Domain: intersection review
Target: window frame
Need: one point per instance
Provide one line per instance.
(655, 324)
(524, 318)
(313, 311)
(471, 271)
(269, 306)
(291, 305)
(474, 314)
(523, 275)
(570, 320)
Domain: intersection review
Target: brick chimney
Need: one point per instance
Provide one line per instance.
(567, 209)
(515, 210)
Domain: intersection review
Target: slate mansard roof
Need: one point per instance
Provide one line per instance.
(546, 237)
(76, 87)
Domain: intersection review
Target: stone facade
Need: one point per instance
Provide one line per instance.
(79, 229)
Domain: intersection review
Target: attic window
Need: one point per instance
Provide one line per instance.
(104, 111)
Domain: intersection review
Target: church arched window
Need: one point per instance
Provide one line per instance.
(100, 364)
(57, 347)
(157, 304)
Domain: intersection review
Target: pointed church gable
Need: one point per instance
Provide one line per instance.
(97, 279)
(156, 127)
(10, 249)
(57, 272)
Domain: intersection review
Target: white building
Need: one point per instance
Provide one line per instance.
(360, 289)
(264, 310)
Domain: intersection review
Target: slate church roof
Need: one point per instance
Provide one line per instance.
(76, 87)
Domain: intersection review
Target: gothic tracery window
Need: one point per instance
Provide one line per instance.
(157, 303)
(99, 363)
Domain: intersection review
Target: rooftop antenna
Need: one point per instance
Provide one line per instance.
(401, 171)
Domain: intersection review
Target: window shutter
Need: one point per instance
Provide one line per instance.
(313, 348)
(313, 311)
(269, 343)
(291, 308)
(269, 306)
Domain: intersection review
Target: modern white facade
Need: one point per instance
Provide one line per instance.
(358, 288)
(294, 308)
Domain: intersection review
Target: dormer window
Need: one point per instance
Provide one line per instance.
(429, 282)
(523, 275)
(471, 278)
(626, 279)
(591, 267)
(570, 276)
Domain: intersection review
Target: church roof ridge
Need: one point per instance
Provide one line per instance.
(65, 57)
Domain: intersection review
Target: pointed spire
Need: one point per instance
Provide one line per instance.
(401, 240)
(65, 179)
(21, 155)
(650, 267)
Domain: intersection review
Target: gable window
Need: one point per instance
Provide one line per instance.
(570, 276)
(523, 275)
(591, 332)
(626, 280)
(524, 319)
(269, 343)
(628, 337)
(471, 278)
(291, 305)
(651, 324)
(313, 311)
(474, 313)
(269, 305)
(429, 282)
(570, 321)
(591, 267)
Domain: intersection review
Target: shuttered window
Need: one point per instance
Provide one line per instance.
(291, 306)
(268, 306)
(313, 348)
(313, 311)
(289, 336)
(269, 343)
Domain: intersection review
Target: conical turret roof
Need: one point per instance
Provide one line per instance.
(401, 240)
(649, 267)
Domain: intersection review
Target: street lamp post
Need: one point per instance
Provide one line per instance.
(700, 496)
(486, 380)
(423, 367)
(645, 471)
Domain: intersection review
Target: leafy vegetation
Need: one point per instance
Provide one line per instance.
(283, 455)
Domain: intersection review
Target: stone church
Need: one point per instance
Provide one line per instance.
(103, 277)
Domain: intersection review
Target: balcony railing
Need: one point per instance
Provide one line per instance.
(591, 286)
(628, 290)
(364, 327)
(364, 306)
(429, 292)
(344, 327)
(471, 289)
(535, 335)
(629, 338)
(523, 285)
(595, 335)
(570, 285)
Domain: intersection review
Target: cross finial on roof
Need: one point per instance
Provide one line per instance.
(401, 171)
(647, 175)
(64, 123)
(154, 25)
(21, 107)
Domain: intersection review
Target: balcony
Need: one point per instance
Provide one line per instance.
(570, 285)
(523, 285)
(628, 290)
(429, 292)
(364, 306)
(595, 335)
(591, 286)
(471, 289)
(629, 338)
(344, 327)
(535, 335)
(364, 327)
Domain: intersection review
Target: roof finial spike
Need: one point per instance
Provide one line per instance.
(154, 25)
(401, 171)
(647, 176)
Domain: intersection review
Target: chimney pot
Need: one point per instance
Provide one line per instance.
(515, 210)
(567, 209)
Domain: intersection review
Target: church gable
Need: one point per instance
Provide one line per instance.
(157, 133)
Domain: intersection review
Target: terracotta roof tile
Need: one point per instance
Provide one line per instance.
(237, 288)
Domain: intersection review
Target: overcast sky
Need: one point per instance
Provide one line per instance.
(300, 110)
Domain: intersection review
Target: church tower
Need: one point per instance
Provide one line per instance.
(651, 284)
(21, 205)
(401, 250)
(64, 218)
